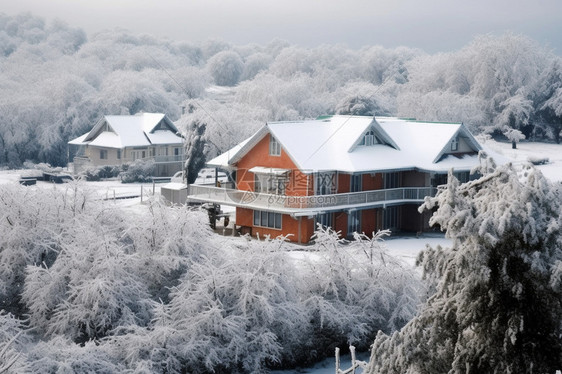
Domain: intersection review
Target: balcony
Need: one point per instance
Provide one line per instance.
(308, 205)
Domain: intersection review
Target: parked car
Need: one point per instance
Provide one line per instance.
(205, 176)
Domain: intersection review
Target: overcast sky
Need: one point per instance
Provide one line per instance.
(435, 26)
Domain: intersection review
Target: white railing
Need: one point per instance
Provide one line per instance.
(269, 201)
(174, 158)
(355, 364)
(157, 159)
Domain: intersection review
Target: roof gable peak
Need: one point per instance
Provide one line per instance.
(373, 134)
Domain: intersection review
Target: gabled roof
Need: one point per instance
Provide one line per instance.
(138, 130)
(333, 143)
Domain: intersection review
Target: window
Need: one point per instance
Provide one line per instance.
(455, 144)
(267, 219)
(103, 154)
(143, 154)
(270, 183)
(462, 176)
(355, 183)
(391, 180)
(369, 138)
(274, 146)
(390, 217)
(176, 151)
(325, 183)
(119, 154)
(353, 222)
(326, 220)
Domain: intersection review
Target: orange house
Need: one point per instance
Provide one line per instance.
(351, 173)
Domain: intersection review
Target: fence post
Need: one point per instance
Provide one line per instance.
(352, 350)
(337, 360)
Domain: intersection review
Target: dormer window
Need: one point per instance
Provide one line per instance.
(274, 146)
(455, 144)
(369, 139)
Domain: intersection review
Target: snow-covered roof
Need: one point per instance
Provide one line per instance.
(138, 130)
(334, 143)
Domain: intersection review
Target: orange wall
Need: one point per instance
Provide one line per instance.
(289, 225)
(372, 182)
(368, 222)
(340, 223)
(344, 183)
(369, 182)
(259, 156)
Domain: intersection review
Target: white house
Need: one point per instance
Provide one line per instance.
(115, 140)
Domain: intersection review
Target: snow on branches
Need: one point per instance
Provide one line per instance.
(497, 299)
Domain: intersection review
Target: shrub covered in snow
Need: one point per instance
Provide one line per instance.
(13, 340)
(101, 172)
(109, 289)
(498, 291)
(138, 171)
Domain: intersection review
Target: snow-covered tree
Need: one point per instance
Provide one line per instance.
(356, 288)
(13, 341)
(61, 355)
(194, 150)
(497, 297)
(514, 136)
(226, 68)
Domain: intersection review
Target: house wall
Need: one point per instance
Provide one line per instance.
(372, 182)
(369, 182)
(289, 225)
(463, 146)
(414, 178)
(340, 223)
(368, 221)
(344, 183)
(93, 153)
(299, 182)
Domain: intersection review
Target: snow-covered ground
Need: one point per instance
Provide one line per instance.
(552, 170)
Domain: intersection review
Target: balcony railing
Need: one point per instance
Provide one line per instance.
(316, 203)
(157, 159)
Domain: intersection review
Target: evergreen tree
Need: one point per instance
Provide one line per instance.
(497, 296)
(194, 150)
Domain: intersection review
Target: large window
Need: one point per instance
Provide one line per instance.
(270, 183)
(103, 154)
(391, 180)
(267, 219)
(274, 146)
(355, 183)
(353, 222)
(462, 176)
(391, 215)
(326, 220)
(325, 183)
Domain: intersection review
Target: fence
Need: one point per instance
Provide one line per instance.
(355, 364)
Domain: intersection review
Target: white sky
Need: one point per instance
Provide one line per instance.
(435, 26)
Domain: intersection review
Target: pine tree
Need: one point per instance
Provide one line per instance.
(497, 296)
